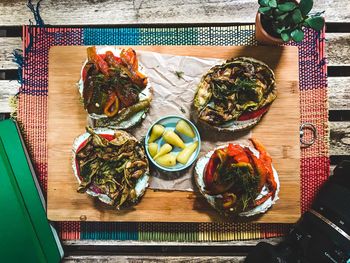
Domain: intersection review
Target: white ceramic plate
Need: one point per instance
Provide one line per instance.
(141, 184)
(145, 94)
(231, 126)
(199, 179)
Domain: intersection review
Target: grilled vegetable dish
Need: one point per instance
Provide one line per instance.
(240, 89)
(112, 85)
(110, 166)
(239, 180)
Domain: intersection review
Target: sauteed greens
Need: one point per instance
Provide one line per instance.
(239, 89)
(112, 166)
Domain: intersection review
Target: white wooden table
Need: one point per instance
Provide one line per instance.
(137, 12)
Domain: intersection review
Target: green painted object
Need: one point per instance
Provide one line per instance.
(25, 233)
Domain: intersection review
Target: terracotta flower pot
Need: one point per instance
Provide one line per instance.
(262, 36)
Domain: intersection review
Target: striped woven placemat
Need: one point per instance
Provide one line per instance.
(32, 115)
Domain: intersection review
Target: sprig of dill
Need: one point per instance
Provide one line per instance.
(179, 74)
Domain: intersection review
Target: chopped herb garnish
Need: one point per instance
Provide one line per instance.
(179, 74)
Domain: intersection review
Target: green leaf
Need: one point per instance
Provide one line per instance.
(282, 17)
(306, 6)
(305, 23)
(297, 16)
(297, 35)
(273, 3)
(285, 36)
(288, 6)
(279, 12)
(263, 3)
(316, 22)
(264, 10)
(280, 30)
(288, 21)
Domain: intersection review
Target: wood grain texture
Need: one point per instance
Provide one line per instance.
(339, 93)
(81, 249)
(149, 259)
(7, 89)
(8, 44)
(338, 49)
(97, 12)
(339, 138)
(64, 203)
(120, 243)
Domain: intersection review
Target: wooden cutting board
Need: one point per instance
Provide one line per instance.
(278, 131)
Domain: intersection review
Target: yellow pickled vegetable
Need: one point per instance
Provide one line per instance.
(166, 160)
(166, 148)
(184, 128)
(156, 132)
(173, 139)
(153, 148)
(186, 153)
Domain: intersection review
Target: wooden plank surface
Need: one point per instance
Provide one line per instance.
(149, 259)
(113, 250)
(7, 90)
(338, 48)
(64, 203)
(339, 138)
(8, 44)
(83, 244)
(151, 11)
(339, 93)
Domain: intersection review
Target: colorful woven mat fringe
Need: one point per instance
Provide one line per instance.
(32, 115)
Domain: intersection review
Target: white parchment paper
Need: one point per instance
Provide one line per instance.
(173, 95)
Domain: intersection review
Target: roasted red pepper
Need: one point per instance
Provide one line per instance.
(253, 114)
(84, 72)
(127, 96)
(237, 153)
(128, 56)
(112, 60)
(209, 170)
(229, 200)
(99, 62)
(112, 105)
(211, 173)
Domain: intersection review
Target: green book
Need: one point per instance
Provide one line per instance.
(26, 235)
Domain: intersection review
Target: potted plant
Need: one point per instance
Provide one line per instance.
(279, 21)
